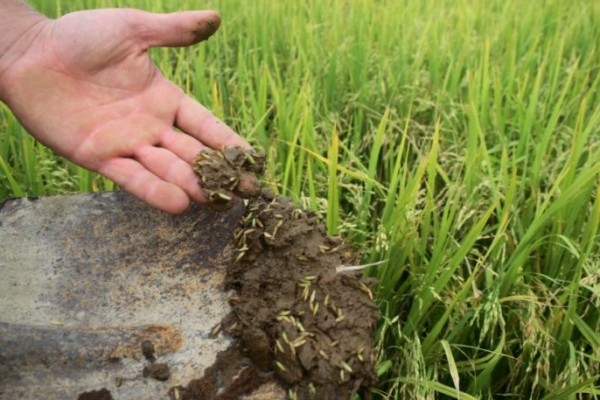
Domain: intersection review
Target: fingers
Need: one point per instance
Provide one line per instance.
(182, 145)
(170, 168)
(137, 180)
(175, 29)
(197, 121)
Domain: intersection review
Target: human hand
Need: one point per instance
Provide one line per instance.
(85, 86)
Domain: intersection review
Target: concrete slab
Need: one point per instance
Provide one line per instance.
(85, 279)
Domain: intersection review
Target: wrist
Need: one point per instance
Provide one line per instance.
(19, 26)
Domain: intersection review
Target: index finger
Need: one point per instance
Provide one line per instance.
(196, 120)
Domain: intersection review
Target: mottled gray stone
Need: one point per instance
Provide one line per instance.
(85, 279)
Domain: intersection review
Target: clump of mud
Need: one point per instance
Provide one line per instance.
(102, 394)
(227, 173)
(293, 311)
(158, 371)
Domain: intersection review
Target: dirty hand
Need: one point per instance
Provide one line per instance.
(84, 85)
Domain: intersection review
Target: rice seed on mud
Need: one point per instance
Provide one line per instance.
(342, 375)
(240, 256)
(292, 348)
(312, 296)
(214, 332)
(241, 241)
(359, 353)
(315, 309)
(333, 307)
(323, 354)
(298, 343)
(224, 196)
(326, 301)
(311, 389)
(336, 248)
(280, 366)
(324, 249)
(278, 346)
(366, 289)
(247, 218)
(283, 318)
(277, 228)
(297, 213)
(346, 367)
(305, 335)
(292, 394)
(249, 158)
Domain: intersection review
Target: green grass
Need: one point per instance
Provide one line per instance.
(459, 140)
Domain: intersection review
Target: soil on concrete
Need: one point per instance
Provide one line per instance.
(295, 311)
(148, 350)
(158, 371)
(231, 377)
(102, 394)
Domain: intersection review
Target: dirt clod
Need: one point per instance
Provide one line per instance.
(148, 350)
(230, 378)
(158, 371)
(102, 394)
(293, 313)
(222, 174)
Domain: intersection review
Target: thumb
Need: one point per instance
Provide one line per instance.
(176, 29)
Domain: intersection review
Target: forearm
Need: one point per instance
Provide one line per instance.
(19, 25)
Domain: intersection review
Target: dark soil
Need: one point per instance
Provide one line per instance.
(292, 312)
(158, 371)
(102, 394)
(229, 378)
(148, 350)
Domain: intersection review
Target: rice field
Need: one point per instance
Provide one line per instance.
(459, 141)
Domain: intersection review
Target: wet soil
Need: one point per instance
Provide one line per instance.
(158, 371)
(148, 350)
(295, 312)
(102, 394)
(231, 377)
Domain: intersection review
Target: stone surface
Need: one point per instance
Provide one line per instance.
(86, 279)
